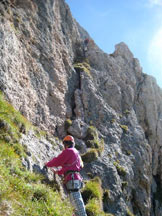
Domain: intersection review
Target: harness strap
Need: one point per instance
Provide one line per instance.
(70, 172)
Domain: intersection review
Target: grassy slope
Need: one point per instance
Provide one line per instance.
(22, 192)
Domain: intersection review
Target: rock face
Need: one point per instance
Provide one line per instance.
(47, 76)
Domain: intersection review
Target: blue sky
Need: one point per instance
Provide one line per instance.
(138, 23)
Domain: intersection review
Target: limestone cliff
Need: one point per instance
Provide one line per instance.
(47, 76)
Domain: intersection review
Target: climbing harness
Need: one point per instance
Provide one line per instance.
(73, 184)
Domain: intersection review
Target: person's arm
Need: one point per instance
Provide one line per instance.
(59, 172)
(81, 162)
(57, 161)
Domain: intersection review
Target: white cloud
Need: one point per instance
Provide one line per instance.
(155, 55)
(155, 48)
(155, 2)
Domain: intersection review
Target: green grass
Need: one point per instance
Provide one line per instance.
(113, 120)
(90, 155)
(95, 144)
(93, 189)
(11, 121)
(127, 112)
(13, 124)
(93, 209)
(22, 192)
(92, 139)
(125, 128)
(68, 123)
(83, 66)
(129, 213)
(93, 195)
(121, 171)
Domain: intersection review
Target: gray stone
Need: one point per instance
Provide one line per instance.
(37, 76)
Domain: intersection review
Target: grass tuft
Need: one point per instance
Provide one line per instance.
(90, 155)
(68, 123)
(83, 66)
(93, 196)
(95, 144)
(125, 128)
(121, 171)
(129, 213)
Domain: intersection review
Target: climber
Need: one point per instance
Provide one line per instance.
(70, 162)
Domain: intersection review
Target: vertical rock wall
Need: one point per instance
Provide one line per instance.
(46, 75)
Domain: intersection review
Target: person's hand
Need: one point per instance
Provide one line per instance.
(44, 168)
(54, 171)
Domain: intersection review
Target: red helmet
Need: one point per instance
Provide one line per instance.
(69, 138)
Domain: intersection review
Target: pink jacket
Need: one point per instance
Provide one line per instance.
(69, 159)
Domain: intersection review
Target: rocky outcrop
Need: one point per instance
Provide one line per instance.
(47, 76)
(37, 58)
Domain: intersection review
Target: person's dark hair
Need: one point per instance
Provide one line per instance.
(68, 144)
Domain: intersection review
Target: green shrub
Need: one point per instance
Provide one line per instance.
(90, 156)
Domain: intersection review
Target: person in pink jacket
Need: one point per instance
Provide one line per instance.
(70, 162)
